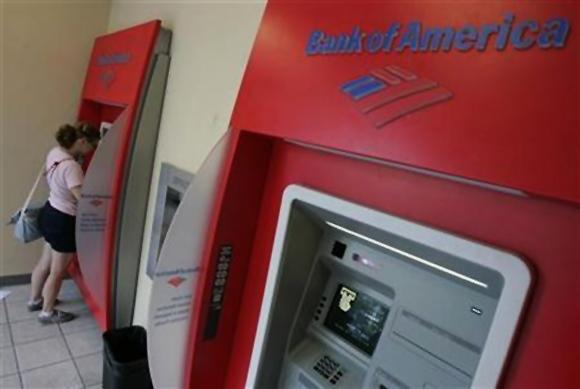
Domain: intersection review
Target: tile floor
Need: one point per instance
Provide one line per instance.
(32, 355)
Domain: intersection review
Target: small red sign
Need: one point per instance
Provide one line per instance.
(176, 281)
(96, 202)
(107, 77)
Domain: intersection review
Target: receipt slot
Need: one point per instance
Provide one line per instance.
(357, 298)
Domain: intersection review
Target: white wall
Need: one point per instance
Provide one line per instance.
(210, 48)
(45, 48)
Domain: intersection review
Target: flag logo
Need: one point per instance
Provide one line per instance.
(390, 93)
(107, 77)
(176, 281)
(96, 202)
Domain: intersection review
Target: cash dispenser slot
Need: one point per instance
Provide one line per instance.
(425, 337)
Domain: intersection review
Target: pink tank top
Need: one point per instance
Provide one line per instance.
(63, 173)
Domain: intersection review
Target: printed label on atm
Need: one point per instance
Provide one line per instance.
(219, 287)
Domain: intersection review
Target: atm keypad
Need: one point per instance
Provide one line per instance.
(329, 369)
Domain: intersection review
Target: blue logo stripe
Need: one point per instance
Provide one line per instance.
(355, 83)
(366, 89)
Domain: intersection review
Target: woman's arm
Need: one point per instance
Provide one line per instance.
(76, 191)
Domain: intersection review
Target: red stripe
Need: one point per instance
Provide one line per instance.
(387, 77)
(411, 105)
(396, 93)
(402, 73)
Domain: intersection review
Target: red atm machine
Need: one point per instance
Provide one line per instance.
(122, 95)
(396, 205)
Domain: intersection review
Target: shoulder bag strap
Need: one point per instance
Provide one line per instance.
(27, 202)
(52, 168)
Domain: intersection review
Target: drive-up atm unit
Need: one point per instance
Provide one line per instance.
(396, 205)
(124, 87)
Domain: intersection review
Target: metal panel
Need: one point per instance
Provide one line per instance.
(136, 195)
(174, 179)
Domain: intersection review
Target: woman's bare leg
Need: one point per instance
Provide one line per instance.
(40, 273)
(59, 263)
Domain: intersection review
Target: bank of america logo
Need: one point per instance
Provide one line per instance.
(107, 77)
(176, 281)
(96, 202)
(390, 93)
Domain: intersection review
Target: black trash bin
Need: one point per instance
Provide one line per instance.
(125, 359)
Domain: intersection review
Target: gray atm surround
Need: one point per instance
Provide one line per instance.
(171, 188)
(135, 191)
(453, 304)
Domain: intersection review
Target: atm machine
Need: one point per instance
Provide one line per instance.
(123, 96)
(395, 205)
(359, 298)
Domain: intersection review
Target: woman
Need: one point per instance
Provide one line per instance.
(57, 219)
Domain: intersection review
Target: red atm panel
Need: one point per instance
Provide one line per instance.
(461, 117)
(113, 87)
(512, 118)
(544, 232)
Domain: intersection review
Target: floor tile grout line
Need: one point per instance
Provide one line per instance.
(3, 301)
(73, 331)
(23, 320)
(4, 306)
(87, 355)
(72, 357)
(11, 344)
(43, 366)
(62, 297)
(59, 335)
(85, 309)
(83, 381)
(54, 336)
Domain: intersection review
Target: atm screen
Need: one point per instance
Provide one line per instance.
(357, 318)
